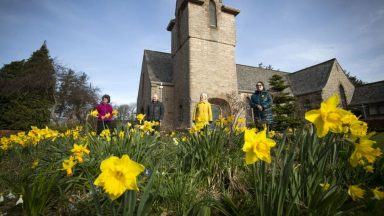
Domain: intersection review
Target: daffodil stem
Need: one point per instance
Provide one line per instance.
(92, 187)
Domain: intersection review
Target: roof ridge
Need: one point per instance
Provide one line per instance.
(372, 83)
(145, 50)
(262, 68)
(334, 59)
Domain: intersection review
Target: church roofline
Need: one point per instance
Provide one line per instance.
(328, 61)
(230, 10)
(264, 68)
(146, 50)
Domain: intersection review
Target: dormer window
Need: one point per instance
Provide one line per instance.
(212, 14)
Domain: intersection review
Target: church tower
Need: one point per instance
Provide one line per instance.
(203, 55)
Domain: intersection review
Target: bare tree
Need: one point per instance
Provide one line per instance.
(126, 112)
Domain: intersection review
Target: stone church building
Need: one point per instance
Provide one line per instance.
(202, 59)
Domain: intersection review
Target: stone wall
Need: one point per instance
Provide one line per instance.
(144, 94)
(212, 54)
(336, 79)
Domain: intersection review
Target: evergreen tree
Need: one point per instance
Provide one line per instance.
(354, 80)
(26, 92)
(284, 108)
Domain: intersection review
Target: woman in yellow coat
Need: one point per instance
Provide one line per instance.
(203, 111)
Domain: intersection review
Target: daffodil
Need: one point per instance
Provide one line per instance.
(118, 175)
(220, 121)
(271, 134)
(68, 165)
(121, 135)
(129, 124)
(358, 128)
(106, 134)
(355, 192)
(257, 146)
(364, 149)
(115, 113)
(108, 115)
(328, 117)
(147, 127)
(379, 195)
(369, 168)
(94, 113)
(140, 117)
(325, 186)
(35, 163)
(79, 151)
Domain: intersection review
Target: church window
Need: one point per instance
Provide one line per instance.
(343, 98)
(216, 111)
(212, 14)
(181, 117)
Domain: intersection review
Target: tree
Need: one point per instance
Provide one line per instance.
(355, 81)
(74, 96)
(284, 108)
(127, 112)
(27, 91)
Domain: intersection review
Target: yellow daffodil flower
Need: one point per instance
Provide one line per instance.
(94, 113)
(325, 186)
(140, 117)
(118, 175)
(355, 192)
(365, 149)
(257, 146)
(35, 163)
(68, 165)
(79, 151)
(115, 113)
(358, 128)
(328, 117)
(369, 168)
(121, 135)
(379, 195)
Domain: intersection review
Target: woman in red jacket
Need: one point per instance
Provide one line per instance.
(105, 115)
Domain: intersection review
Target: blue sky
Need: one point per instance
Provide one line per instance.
(106, 39)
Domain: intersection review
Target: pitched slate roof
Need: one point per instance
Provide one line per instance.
(159, 65)
(248, 76)
(310, 79)
(368, 93)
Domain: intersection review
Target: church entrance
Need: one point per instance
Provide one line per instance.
(219, 107)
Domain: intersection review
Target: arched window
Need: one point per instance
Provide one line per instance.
(212, 14)
(216, 111)
(343, 98)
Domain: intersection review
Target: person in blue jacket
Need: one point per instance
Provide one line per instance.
(261, 102)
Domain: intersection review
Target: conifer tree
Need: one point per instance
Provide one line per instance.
(27, 91)
(284, 108)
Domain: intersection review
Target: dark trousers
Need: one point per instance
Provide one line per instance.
(102, 126)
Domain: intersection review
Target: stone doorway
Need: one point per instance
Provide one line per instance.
(219, 107)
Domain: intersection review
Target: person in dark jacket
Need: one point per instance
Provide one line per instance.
(155, 111)
(261, 102)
